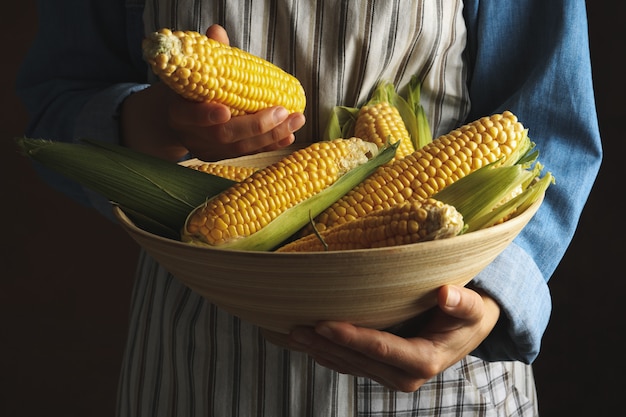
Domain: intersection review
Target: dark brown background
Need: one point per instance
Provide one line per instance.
(66, 273)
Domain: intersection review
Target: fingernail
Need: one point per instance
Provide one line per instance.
(280, 114)
(287, 141)
(454, 297)
(325, 331)
(296, 122)
(217, 116)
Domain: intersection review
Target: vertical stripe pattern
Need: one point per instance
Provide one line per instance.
(186, 357)
(339, 49)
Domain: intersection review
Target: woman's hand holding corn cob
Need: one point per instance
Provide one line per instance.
(159, 122)
(462, 320)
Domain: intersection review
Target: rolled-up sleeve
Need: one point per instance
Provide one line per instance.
(532, 57)
(85, 60)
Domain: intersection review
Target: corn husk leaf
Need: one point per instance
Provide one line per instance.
(343, 118)
(414, 115)
(292, 220)
(157, 194)
(516, 205)
(494, 193)
(341, 122)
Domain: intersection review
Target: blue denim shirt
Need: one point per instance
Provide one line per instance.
(527, 56)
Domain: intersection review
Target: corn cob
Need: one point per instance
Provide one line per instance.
(203, 69)
(499, 139)
(379, 121)
(232, 172)
(248, 206)
(401, 224)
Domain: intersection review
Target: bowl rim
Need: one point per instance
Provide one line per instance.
(514, 225)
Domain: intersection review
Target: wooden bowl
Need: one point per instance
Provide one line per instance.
(375, 288)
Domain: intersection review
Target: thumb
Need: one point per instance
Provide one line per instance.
(460, 302)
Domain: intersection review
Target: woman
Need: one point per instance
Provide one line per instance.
(185, 356)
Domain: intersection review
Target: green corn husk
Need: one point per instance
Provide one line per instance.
(415, 119)
(341, 122)
(156, 194)
(484, 196)
(342, 118)
(292, 220)
(515, 205)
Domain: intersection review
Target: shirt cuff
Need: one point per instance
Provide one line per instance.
(99, 120)
(518, 286)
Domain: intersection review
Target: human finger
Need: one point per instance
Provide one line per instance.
(461, 311)
(218, 33)
(459, 302)
(233, 138)
(368, 353)
(454, 329)
(184, 113)
(260, 129)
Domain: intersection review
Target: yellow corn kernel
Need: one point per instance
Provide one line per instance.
(400, 224)
(250, 205)
(380, 122)
(433, 167)
(202, 69)
(232, 172)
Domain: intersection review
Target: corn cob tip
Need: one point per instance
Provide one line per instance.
(161, 42)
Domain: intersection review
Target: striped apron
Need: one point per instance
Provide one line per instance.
(185, 356)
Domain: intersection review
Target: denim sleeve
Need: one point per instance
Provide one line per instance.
(532, 57)
(84, 61)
